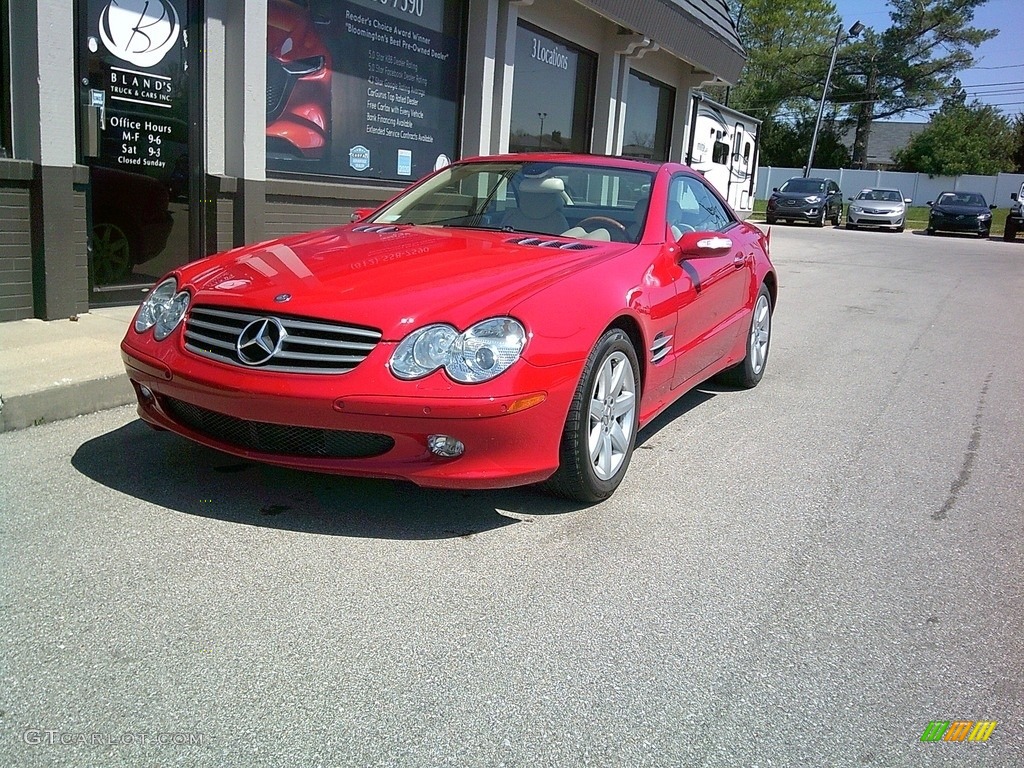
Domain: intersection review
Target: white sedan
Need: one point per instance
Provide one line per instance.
(882, 208)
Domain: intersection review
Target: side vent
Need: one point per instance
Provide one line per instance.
(661, 347)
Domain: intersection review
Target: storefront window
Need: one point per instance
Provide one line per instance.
(648, 118)
(5, 81)
(365, 88)
(552, 95)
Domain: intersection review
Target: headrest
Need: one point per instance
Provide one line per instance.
(538, 185)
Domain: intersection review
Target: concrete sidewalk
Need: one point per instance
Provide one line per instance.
(57, 369)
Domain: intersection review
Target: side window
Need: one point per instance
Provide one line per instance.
(692, 207)
(720, 153)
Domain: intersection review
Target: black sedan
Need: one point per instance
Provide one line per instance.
(960, 212)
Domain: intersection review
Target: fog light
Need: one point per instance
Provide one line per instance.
(146, 392)
(445, 446)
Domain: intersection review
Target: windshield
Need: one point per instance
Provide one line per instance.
(961, 198)
(881, 195)
(802, 186)
(571, 200)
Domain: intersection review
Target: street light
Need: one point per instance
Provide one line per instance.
(540, 138)
(855, 30)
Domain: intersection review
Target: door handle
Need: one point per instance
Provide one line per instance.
(739, 260)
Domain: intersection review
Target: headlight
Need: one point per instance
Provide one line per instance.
(477, 354)
(303, 67)
(984, 216)
(854, 209)
(812, 199)
(164, 308)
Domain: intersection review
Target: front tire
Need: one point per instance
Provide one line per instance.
(748, 374)
(600, 430)
(1009, 230)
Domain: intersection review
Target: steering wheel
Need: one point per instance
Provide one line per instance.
(617, 231)
(683, 227)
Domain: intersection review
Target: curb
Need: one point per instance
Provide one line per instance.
(64, 402)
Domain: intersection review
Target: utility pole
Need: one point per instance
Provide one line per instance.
(855, 30)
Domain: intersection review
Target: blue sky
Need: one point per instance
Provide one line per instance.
(999, 77)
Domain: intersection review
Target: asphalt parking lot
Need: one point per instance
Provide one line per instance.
(803, 574)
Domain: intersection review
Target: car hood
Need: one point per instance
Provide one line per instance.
(960, 210)
(394, 279)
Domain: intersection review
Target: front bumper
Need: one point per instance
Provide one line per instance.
(805, 212)
(966, 223)
(875, 219)
(511, 427)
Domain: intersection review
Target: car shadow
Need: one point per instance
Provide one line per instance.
(954, 235)
(166, 470)
(688, 402)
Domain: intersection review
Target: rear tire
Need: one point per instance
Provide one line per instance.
(749, 373)
(1010, 230)
(600, 430)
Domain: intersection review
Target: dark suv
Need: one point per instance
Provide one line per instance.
(810, 200)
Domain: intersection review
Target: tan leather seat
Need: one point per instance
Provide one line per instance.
(540, 203)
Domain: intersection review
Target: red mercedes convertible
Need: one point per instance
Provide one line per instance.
(506, 320)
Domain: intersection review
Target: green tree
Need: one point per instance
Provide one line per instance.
(1017, 154)
(789, 45)
(785, 143)
(962, 139)
(908, 66)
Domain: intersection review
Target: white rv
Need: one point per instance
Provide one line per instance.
(722, 144)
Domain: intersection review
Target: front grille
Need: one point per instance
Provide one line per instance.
(308, 346)
(278, 439)
(279, 88)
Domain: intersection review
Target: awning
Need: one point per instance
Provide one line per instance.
(698, 31)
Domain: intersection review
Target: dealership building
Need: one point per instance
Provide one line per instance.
(138, 135)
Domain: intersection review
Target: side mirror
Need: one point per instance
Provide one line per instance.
(930, 203)
(703, 245)
(1013, 195)
(775, 189)
(992, 207)
(360, 213)
(850, 198)
(907, 200)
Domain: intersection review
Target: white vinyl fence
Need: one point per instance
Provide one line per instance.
(920, 187)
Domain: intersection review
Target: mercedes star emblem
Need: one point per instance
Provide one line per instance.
(260, 340)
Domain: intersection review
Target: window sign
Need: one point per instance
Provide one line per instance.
(648, 128)
(135, 62)
(364, 88)
(136, 80)
(552, 94)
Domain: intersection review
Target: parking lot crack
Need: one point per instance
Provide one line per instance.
(970, 456)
